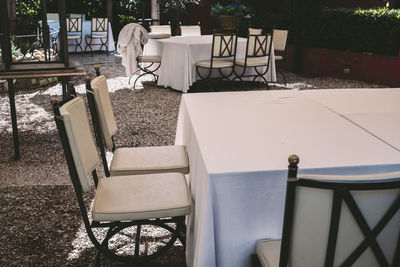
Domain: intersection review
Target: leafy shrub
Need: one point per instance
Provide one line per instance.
(359, 30)
(372, 30)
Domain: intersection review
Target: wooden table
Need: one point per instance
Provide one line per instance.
(35, 70)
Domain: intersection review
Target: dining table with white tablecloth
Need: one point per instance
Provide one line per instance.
(238, 145)
(180, 54)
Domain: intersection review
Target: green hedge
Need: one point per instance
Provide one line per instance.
(372, 30)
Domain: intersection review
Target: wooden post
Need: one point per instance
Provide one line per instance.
(298, 18)
(109, 10)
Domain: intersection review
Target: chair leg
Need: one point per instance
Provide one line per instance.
(283, 76)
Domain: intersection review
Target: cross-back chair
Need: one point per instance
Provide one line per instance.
(120, 201)
(190, 30)
(350, 220)
(280, 40)
(99, 31)
(74, 32)
(257, 58)
(127, 160)
(223, 53)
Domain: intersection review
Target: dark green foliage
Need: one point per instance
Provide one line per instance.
(359, 30)
(373, 30)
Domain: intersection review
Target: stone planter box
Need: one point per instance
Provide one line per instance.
(348, 65)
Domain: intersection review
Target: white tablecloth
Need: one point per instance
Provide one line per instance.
(86, 29)
(238, 144)
(180, 54)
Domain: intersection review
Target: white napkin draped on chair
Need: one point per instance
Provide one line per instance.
(130, 41)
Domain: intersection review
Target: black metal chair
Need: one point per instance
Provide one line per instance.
(99, 31)
(257, 58)
(74, 32)
(148, 65)
(279, 41)
(128, 160)
(332, 220)
(223, 53)
(120, 201)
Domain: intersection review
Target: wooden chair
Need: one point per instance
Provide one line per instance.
(128, 160)
(190, 30)
(74, 32)
(257, 57)
(333, 220)
(279, 41)
(99, 31)
(120, 201)
(223, 53)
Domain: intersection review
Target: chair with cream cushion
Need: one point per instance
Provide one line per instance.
(99, 31)
(160, 31)
(253, 31)
(74, 32)
(128, 160)
(279, 41)
(120, 202)
(332, 220)
(223, 53)
(190, 30)
(257, 57)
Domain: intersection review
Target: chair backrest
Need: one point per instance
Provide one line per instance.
(72, 15)
(224, 45)
(74, 24)
(193, 30)
(52, 16)
(161, 29)
(99, 24)
(104, 108)
(80, 140)
(253, 31)
(279, 39)
(342, 221)
(259, 45)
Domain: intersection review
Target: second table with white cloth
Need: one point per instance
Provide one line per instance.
(180, 54)
(238, 144)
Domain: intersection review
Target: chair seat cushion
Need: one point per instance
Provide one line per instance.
(149, 59)
(268, 252)
(74, 36)
(159, 35)
(252, 62)
(141, 197)
(277, 57)
(141, 160)
(97, 35)
(217, 64)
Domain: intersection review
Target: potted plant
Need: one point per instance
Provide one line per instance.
(229, 14)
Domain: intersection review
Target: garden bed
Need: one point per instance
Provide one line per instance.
(348, 65)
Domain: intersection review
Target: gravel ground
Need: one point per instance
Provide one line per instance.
(41, 223)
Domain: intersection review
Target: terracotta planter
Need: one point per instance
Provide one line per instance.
(228, 22)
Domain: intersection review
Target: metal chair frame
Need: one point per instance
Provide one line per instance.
(224, 46)
(261, 49)
(117, 226)
(73, 27)
(100, 26)
(147, 70)
(341, 193)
